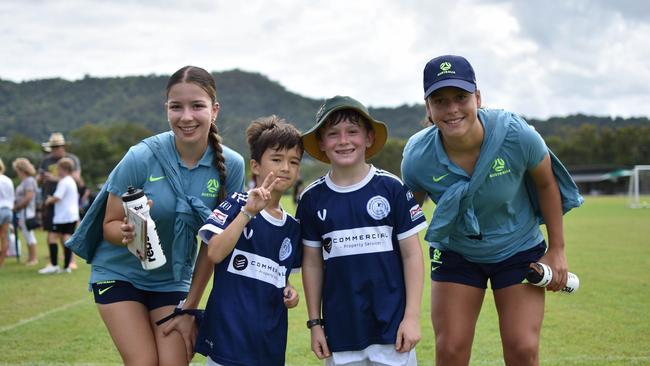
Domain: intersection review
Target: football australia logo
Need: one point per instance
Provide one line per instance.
(445, 68)
(211, 188)
(499, 168)
(378, 207)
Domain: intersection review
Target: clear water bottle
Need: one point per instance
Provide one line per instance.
(154, 257)
(541, 275)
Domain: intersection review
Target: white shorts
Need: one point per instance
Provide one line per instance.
(373, 355)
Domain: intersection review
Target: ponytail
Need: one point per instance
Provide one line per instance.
(219, 161)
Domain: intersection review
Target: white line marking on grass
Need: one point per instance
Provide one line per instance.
(22, 322)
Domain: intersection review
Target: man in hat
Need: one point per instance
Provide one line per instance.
(48, 177)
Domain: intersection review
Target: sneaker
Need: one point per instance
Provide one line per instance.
(32, 262)
(66, 270)
(50, 269)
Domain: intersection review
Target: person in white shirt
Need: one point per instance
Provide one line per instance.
(66, 215)
(6, 211)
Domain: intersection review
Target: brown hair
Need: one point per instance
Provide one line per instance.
(204, 80)
(24, 166)
(272, 132)
(339, 116)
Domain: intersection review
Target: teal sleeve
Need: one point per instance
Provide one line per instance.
(409, 171)
(533, 147)
(130, 171)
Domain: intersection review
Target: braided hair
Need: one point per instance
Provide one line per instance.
(203, 79)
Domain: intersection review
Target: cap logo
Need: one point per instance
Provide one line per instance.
(445, 68)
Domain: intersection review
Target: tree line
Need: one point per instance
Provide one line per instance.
(103, 117)
(101, 147)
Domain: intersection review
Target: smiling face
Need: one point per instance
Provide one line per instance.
(190, 111)
(345, 143)
(284, 163)
(454, 111)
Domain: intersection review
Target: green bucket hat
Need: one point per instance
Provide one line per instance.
(338, 103)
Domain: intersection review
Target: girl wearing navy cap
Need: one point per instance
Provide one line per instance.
(493, 181)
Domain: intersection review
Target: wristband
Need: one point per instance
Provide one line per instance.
(247, 214)
(313, 322)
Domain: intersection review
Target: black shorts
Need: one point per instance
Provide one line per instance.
(64, 228)
(47, 216)
(449, 266)
(108, 292)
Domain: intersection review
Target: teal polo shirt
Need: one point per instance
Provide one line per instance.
(502, 206)
(140, 168)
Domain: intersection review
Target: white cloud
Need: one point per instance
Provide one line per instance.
(538, 59)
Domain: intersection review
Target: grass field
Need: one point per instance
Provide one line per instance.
(52, 320)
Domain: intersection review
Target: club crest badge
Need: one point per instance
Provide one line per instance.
(378, 207)
(285, 249)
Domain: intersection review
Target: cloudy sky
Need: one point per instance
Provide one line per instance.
(537, 58)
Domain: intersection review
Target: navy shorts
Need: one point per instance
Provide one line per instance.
(108, 292)
(449, 266)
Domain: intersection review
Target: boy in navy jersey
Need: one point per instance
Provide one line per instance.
(254, 244)
(362, 262)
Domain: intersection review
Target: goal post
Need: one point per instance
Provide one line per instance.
(639, 190)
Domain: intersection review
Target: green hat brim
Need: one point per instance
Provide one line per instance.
(312, 146)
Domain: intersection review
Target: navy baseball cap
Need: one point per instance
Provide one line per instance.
(448, 70)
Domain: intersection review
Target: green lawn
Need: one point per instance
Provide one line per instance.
(46, 320)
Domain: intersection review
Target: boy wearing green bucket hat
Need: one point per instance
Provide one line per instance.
(362, 261)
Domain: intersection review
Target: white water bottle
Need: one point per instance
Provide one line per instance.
(154, 257)
(541, 275)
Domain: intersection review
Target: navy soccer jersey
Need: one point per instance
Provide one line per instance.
(359, 228)
(245, 320)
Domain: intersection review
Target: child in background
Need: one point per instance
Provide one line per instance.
(66, 215)
(362, 261)
(254, 244)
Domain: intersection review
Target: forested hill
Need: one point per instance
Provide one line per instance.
(37, 108)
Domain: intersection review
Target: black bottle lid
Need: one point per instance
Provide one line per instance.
(132, 194)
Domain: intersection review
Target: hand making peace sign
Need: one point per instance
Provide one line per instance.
(259, 197)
